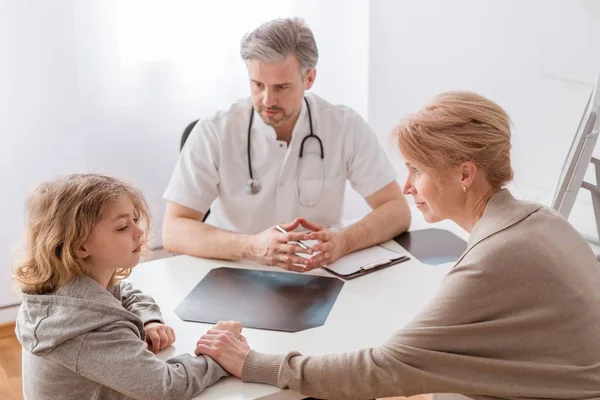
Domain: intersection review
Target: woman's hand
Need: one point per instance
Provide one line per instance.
(225, 344)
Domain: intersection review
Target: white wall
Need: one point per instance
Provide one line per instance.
(537, 58)
(109, 86)
(38, 111)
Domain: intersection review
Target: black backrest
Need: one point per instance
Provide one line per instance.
(186, 133)
(184, 138)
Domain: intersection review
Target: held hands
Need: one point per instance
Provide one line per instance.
(225, 344)
(158, 336)
(271, 247)
(330, 247)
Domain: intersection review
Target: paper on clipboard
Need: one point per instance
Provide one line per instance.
(355, 261)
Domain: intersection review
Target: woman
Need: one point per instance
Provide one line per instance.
(517, 317)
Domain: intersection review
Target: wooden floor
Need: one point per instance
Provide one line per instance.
(10, 364)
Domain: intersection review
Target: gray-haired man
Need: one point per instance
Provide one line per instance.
(281, 155)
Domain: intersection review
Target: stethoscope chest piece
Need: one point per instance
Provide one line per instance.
(253, 186)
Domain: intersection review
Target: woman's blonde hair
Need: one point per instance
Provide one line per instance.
(456, 127)
(61, 215)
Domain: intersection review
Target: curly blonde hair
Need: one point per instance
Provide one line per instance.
(455, 127)
(61, 215)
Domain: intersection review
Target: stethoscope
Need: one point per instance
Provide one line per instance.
(253, 186)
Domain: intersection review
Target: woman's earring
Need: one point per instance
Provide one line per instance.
(464, 188)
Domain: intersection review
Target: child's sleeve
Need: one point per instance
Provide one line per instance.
(142, 305)
(115, 357)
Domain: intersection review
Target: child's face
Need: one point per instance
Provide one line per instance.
(116, 239)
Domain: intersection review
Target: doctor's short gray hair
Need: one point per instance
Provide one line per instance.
(273, 41)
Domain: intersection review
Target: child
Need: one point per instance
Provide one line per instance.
(83, 330)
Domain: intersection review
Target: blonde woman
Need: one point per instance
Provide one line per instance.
(86, 334)
(518, 317)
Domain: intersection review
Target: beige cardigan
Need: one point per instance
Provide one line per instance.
(518, 317)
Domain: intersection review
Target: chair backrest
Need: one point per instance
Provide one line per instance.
(186, 133)
(184, 138)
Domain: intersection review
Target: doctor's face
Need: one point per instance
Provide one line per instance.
(278, 89)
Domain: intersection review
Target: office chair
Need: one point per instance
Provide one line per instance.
(186, 133)
(184, 138)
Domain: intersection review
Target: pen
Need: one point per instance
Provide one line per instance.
(376, 264)
(385, 261)
(280, 229)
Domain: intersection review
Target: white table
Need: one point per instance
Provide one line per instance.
(367, 311)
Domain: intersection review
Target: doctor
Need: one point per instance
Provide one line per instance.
(281, 155)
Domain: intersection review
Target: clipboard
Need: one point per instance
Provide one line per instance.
(368, 269)
(364, 262)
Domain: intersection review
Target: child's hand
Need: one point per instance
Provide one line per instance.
(158, 336)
